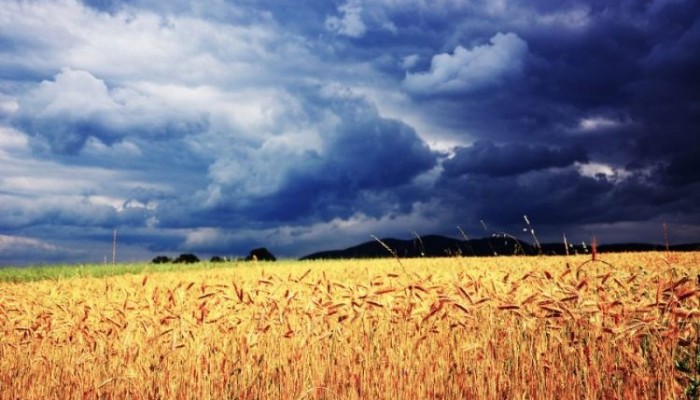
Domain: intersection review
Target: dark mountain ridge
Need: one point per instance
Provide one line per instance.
(442, 246)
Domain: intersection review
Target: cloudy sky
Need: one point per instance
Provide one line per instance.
(217, 126)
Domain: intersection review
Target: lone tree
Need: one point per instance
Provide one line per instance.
(260, 254)
(186, 258)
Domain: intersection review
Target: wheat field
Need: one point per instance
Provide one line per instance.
(444, 328)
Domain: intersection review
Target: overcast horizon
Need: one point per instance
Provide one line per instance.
(214, 127)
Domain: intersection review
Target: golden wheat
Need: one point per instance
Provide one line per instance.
(490, 328)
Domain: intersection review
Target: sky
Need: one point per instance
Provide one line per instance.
(215, 127)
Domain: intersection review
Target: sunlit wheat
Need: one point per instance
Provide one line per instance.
(487, 328)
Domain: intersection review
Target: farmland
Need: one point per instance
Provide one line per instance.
(491, 328)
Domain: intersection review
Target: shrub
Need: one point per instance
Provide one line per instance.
(186, 258)
(161, 260)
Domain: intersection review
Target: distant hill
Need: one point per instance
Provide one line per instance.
(441, 246)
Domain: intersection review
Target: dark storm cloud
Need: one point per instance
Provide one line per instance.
(583, 59)
(366, 164)
(666, 97)
(218, 125)
(613, 88)
(366, 156)
(684, 167)
(484, 157)
(568, 202)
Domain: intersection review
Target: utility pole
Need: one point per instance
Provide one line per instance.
(114, 247)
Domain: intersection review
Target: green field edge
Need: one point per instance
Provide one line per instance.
(14, 274)
(71, 271)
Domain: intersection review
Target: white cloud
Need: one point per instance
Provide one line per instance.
(72, 94)
(31, 177)
(351, 23)
(8, 243)
(76, 106)
(598, 169)
(19, 250)
(130, 44)
(35, 190)
(204, 237)
(409, 61)
(467, 70)
(597, 123)
(574, 18)
(126, 148)
(12, 141)
(7, 105)
(602, 123)
(508, 13)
